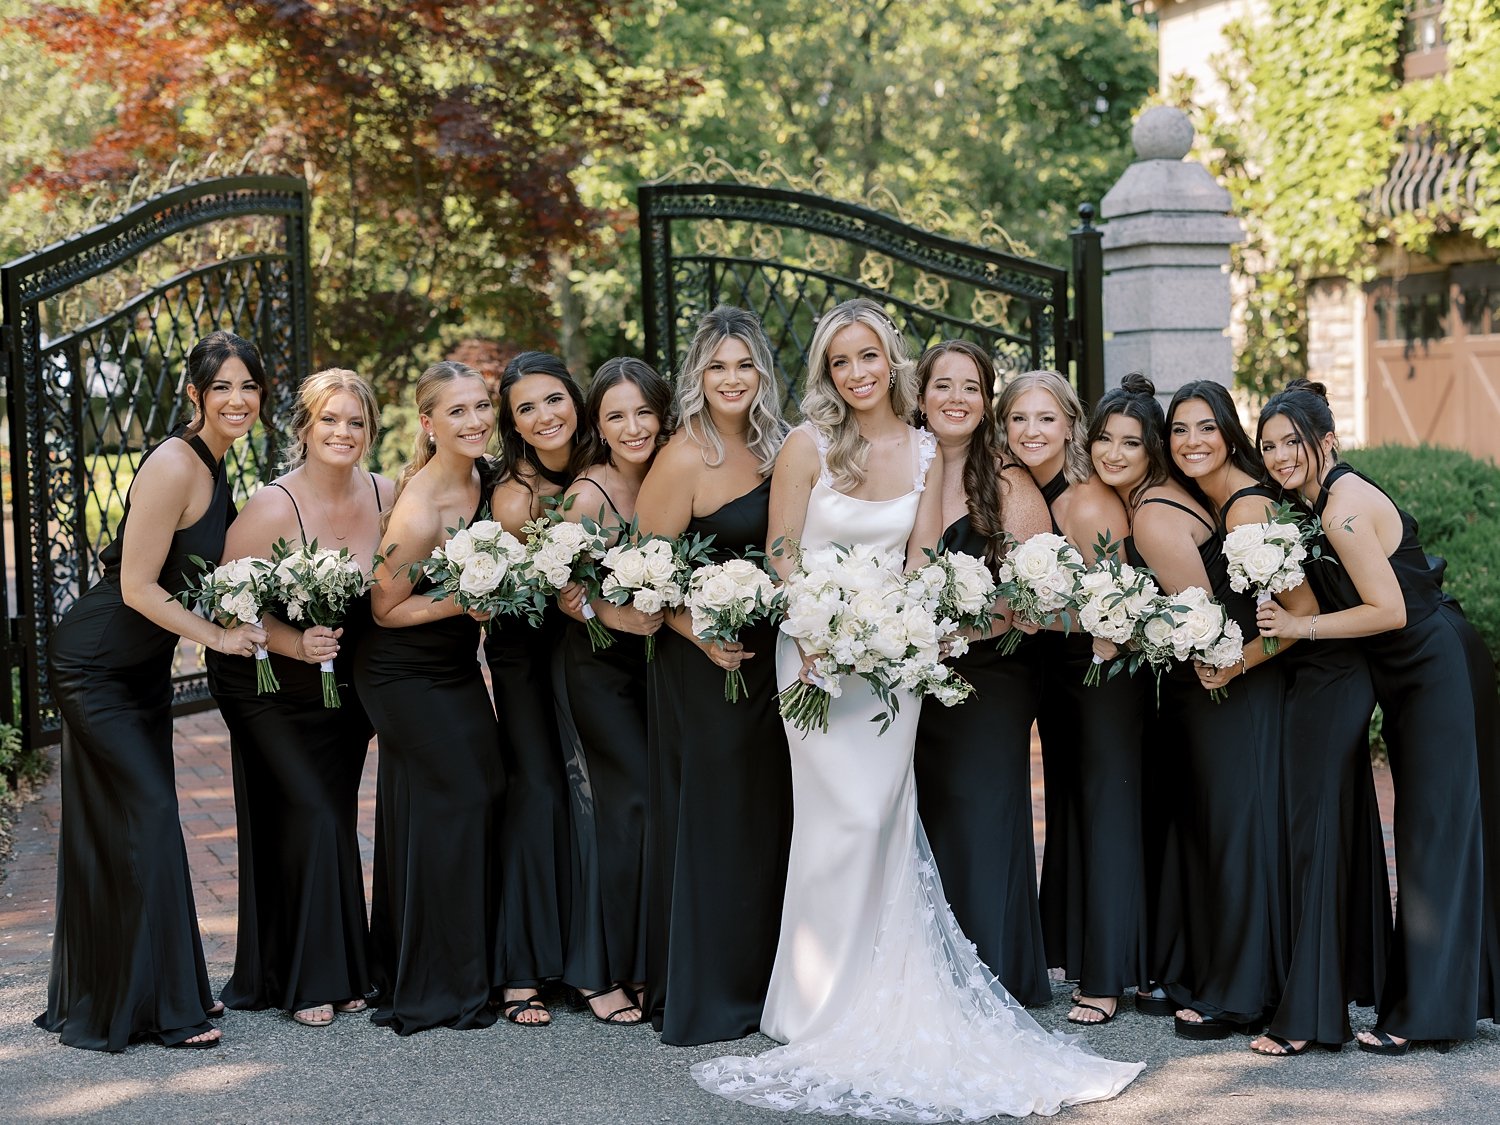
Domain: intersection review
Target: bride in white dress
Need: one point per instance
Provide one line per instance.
(886, 1011)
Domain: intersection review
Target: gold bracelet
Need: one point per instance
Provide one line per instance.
(1244, 668)
(1312, 629)
(223, 636)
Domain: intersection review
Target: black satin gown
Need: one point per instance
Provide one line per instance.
(436, 903)
(302, 935)
(127, 957)
(1422, 682)
(535, 832)
(604, 747)
(720, 818)
(1092, 896)
(1222, 926)
(973, 771)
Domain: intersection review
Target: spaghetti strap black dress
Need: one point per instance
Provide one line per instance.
(1092, 896)
(127, 957)
(436, 899)
(973, 770)
(535, 833)
(302, 935)
(604, 748)
(1222, 915)
(1422, 682)
(720, 818)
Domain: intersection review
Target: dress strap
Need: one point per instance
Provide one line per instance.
(1249, 490)
(1342, 469)
(302, 531)
(199, 447)
(1180, 507)
(607, 500)
(924, 449)
(820, 441)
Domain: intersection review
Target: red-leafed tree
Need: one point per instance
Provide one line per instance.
(440, 137)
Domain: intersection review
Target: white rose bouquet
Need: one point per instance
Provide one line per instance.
(1038, 578)
(649, 572)
(482, 568)
(726, 598)
(559, 552)
(1112, 602)
(1191, 626)
(958, 587)
(317, 585)
(1267, 558)
(237, 591)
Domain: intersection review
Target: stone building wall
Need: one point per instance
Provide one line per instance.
(1336, 353)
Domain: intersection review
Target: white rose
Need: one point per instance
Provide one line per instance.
(480, 575)
(459, 548)
(647, 600)
(719, 591)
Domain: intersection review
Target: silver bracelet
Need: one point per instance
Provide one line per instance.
(1312, 629)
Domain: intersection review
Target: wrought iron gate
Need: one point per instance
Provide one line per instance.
(95, 335)
(789, 255)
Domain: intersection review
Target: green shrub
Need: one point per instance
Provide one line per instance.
(1455, 499)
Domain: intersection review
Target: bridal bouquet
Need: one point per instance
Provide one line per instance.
(959, 588)
(317, 585)
(237, 591)
(559, 552)
(724, 599)
(1191, 626)
(482, 568)
(1112, 602)
(1038, 578)
(650, 573)
(1267, 558)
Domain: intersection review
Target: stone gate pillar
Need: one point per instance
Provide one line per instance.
(1167, 235)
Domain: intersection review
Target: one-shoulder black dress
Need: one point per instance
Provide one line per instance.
(1092, 895)
(720, 818)
(302, 935)
(1222, 922)
(1422, 682)
(436, 898)
(973, 770)
(127, 958)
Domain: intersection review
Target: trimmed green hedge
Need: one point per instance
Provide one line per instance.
(1455, 499)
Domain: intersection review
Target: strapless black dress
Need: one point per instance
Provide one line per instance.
(436, 899)
(127, 957)
(720, 819)
(973, 771)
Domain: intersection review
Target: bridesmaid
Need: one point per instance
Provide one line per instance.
(1379, 586)
(973, 763)
(539, 408)
(303, 939)
(717, 874)
(127, 958)
(1226, 957)
(439, 786)
(626, 420)
(1092, 889)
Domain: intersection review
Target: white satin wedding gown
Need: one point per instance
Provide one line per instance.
(886, 1011)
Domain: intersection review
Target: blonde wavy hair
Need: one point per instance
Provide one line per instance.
(1077, 466)
(767, 427)
(825, 408)
(313, 396)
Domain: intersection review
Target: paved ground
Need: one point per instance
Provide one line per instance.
(577, 1072)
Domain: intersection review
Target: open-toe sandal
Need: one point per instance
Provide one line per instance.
(1386, 1046)
(631, 1006)
(356, 1004)
(1287, 1051)
(310, 1017)
(1082, 1001)
(512, 1009)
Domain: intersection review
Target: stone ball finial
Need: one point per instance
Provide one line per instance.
(1163, 132)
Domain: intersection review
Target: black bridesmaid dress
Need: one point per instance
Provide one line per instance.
(1092, 895)
(1222, 920)
(302, 935)
(1422, 682)
(436, 902)
(604, 748)
(720, 818)
(973, 771)
(127, 958)
(535, 833)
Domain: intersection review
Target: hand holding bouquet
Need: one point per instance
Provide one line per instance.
(318, 585)
(960, 589)
(1267, 558)
(1038, 578)
(559, 552)
(648, 572)
(482, 569)
(1192, 626)
(237, 591)
(726, 598)
(1112, 602)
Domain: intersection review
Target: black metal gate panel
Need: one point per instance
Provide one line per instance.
(790, 255)
(93, 349)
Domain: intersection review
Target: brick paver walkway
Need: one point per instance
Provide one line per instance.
(206, 792)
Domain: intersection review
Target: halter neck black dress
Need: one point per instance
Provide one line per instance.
(720, 818)
(973, 770)
(436, 898)
(127, 957)
(1222, 914)
(1092, 895)
(1422, 682)
(302, 935)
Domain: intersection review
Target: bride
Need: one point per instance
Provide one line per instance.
(884, 1007)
